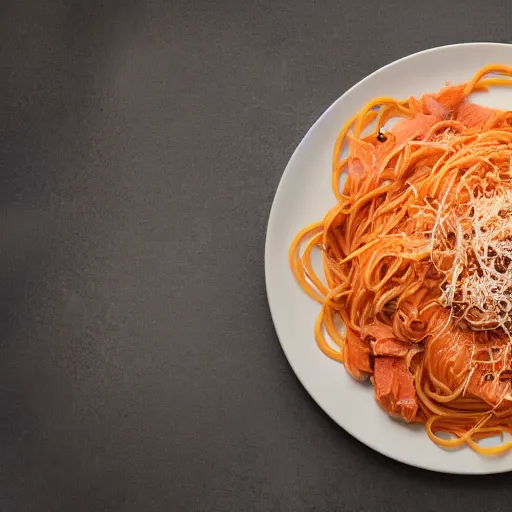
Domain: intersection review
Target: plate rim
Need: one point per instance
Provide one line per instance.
(272, 219)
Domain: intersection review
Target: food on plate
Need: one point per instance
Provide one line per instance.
(416, 281)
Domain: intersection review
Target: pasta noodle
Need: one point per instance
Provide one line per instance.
(417, 260)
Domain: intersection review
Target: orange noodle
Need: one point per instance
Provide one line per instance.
(417, 260)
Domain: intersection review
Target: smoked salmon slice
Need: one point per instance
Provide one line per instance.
(384, 342)
(356, 356)
(492, 391)
(476, 116)
(408, 129)
(361, 158)
(434, 107)
(389, 347)
(394, 388)
(451, 96)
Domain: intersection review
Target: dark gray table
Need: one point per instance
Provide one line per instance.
(141, 145)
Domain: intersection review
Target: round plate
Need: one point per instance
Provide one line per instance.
(304, 195)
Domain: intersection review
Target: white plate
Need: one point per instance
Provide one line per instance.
(303, 196)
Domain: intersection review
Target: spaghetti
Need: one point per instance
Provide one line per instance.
(417, 260)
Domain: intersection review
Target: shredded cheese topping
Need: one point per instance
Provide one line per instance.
(473, 248)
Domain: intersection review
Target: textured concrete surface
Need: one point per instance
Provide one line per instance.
(141, 144)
